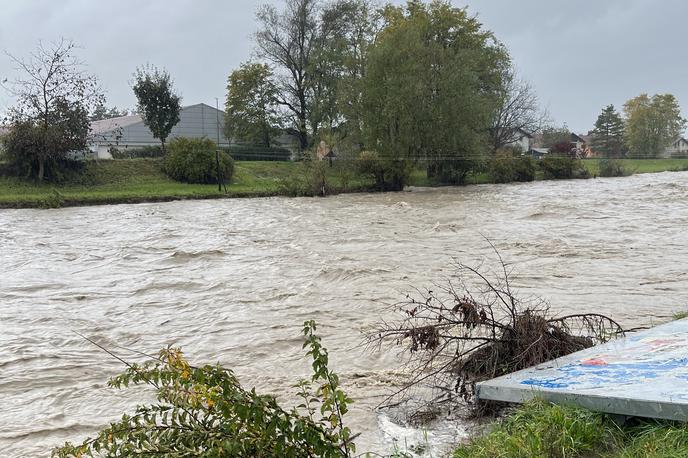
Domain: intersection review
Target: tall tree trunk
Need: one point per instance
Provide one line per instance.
(162, 143)
(41, 169)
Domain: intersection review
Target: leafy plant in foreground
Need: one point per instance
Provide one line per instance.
(205, 412)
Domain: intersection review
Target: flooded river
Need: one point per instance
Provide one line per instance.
(232, 281)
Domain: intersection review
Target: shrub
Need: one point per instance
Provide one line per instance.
(389, 175)
(257, 153)
(559, 167)
(451, 171)
(135, 153)
(505, 169)
(308, 179)
(612, 168)
(204, 411)
(193, 160)
(18, 152)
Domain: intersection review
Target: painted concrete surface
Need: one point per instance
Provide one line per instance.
(644, 374)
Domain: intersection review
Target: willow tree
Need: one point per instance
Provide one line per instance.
(432, 84)
(652, 123)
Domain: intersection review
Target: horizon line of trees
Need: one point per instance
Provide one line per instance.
(649, 125)
(420, 82)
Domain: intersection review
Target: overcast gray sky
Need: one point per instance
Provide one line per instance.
(579, 55)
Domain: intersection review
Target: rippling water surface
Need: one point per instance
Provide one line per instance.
(233, 280)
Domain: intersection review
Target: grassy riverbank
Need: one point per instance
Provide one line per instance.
(542, 430)
(142, 180)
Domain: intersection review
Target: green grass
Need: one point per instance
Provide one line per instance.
(641, 165)
(142, 180)
(542, 430)
(679, 315)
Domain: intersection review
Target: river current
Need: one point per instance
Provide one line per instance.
(233, 280)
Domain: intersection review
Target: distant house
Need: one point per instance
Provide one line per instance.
(579, 143)
(522, 140)
(129, 132)
(678, 148)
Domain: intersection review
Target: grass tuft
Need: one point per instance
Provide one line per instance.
(539, 429)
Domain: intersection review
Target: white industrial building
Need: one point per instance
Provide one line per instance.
(129, 132)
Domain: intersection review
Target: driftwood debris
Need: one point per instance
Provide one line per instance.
(474, 327)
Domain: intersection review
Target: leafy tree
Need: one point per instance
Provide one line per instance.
(50, 118)
(608, 135)
(517, 110)
(551, 135)
(204, 411)
(652, 123)
(353, 26)
(101, 112)
(158, 105)
(430, 88)
(251, 110)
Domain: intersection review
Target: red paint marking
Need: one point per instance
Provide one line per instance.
(594, 362)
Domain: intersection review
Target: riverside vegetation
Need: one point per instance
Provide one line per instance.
(144, 180)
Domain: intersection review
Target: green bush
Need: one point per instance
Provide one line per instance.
(257, 153)
(205, 412)
(135, 153)
(561, 167)
(193, 160)
(309, 178)
(612, 168)
(389, 175)
(505, 169)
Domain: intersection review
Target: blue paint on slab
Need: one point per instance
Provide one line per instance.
(645, 371)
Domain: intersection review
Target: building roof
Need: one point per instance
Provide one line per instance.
(527, 134)
(108, 125)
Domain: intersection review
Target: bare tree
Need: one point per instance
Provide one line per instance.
(288, 39)
(516, 113)
(54, 96)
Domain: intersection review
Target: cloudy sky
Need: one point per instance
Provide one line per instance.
(579, 55)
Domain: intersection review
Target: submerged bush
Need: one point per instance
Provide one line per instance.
(563, 167)
(505, 168)
(612, 168)
(193, 160)
(204, 411)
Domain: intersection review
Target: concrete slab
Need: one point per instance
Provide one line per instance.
(644, 374)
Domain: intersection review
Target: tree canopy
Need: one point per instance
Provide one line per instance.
(251, 111)
(432, 84)
(158, 104)
(50, 117)
(652, 123)
(608, 135)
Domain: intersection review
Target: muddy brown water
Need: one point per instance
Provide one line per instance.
(232, 281)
